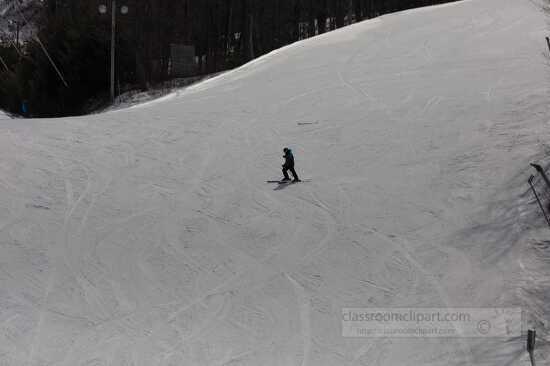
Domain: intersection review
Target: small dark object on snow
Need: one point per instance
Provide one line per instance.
(539, 169)
(530, 180)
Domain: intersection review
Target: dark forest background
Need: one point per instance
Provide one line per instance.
(224, 33)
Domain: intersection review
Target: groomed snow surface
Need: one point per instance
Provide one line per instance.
(148, 236)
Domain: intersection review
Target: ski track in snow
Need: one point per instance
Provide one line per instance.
(305, 319)
(147, 236)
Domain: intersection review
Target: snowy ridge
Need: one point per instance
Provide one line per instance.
(148, 236)
(4, 115)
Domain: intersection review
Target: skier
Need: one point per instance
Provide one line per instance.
(289, 165)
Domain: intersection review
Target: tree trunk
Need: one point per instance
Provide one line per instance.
(251, 36)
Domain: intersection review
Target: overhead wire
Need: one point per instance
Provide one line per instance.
(44, 49)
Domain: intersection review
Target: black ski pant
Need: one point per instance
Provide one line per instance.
(291, 168)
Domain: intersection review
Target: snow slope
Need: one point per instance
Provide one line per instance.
(148, 236)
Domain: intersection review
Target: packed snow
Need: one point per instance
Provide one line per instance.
(148, 236)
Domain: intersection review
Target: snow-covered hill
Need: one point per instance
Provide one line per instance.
(148, 236)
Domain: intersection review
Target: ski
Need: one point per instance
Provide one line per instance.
(287, 181)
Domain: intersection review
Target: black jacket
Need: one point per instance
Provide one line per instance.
(289, 159)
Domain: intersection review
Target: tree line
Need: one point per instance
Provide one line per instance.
(74, 38)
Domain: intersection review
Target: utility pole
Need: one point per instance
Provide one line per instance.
(103, 10)
(113, 44)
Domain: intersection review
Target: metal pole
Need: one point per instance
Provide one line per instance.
(113, 40)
